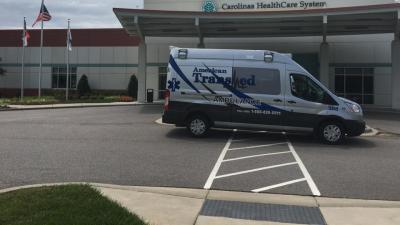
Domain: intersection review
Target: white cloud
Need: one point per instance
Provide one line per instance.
(83, 13)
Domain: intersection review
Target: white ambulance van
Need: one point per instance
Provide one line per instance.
(253, 89)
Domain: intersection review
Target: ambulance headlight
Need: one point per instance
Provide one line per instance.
(353, 108)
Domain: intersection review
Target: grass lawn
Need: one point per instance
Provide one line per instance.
(62, 205)
(48, 100)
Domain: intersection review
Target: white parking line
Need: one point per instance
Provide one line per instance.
(255, 156)
(258, 146)
(214, 172)
(255, 170)
(278, 185)
(240, 140)
(221, 159)
(304, 170)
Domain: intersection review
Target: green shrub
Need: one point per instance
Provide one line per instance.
(133, 87)
(83, 86)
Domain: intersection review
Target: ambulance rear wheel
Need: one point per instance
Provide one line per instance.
(198, 125)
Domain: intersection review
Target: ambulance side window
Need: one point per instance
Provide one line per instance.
(257, 80)
(305, 88)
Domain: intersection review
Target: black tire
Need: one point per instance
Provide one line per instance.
(198, 125)
(331, 132)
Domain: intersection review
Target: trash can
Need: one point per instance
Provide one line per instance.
(150, 95)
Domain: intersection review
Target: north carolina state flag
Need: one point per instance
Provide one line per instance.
(25, 35)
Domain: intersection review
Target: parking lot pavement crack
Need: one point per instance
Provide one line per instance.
(316, 201)
(201, 208)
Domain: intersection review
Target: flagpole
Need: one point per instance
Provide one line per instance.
(41, 53)
(23, 60)
(41, 61)
(67, 86)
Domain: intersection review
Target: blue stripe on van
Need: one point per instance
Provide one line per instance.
(181, 74)
(261, 106)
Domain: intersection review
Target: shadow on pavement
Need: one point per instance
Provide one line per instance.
(349, 143)
(183, 133)
(151, 109)
(298, 139)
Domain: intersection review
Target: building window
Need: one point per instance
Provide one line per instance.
(356, 84)
(162, 81)
(59, 77)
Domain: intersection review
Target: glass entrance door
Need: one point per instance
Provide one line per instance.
(162, 81)
(356, 84)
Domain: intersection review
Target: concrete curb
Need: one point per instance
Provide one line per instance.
(233, 196)
(159, 121)
(77, 105)
(370, 132)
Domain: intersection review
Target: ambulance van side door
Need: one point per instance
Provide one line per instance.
(263, 93)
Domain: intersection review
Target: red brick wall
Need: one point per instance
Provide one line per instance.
(81, 38)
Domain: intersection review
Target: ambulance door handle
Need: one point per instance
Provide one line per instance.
(277, 100)
(292, 102)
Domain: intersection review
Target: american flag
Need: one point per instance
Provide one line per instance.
(44, 14)
(25, 35)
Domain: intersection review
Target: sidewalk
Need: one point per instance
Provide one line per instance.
(77, 105)
(180, 206)
(173, 206)
(384, 121)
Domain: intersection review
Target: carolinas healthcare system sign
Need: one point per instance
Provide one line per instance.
(275, 5)
(214, 6)
(255, 5)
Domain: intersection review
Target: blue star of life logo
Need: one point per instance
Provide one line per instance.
(174, 85)
(209, 6)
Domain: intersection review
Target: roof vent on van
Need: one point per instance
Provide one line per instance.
(268, 57)
(182, 53)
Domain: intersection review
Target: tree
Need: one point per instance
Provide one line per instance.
(83, 86)
(133, 87)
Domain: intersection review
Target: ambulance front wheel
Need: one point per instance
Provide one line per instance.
(198, 125)
(332, 132)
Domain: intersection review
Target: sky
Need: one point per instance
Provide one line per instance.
(83, 13)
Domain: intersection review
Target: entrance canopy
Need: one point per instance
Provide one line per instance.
(371, 19)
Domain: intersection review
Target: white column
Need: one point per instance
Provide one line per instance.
(396, 74)
(324, 63)
(141, 76)
(201, 43)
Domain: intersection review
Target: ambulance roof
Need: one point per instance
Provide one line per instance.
(233, 54)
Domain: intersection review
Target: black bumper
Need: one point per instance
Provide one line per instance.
(354, 128)
(173, 117)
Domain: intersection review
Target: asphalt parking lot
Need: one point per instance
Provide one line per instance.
(123, 145)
